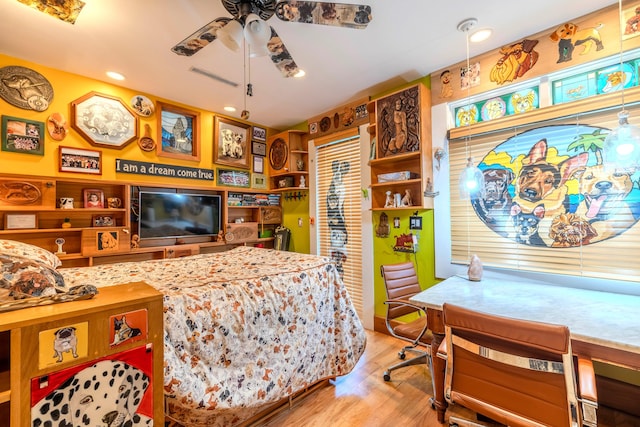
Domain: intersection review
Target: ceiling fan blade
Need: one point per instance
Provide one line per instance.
(280, 55)
(200, 38)
(317, 12)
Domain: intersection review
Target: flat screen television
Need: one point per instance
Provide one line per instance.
(178, 215)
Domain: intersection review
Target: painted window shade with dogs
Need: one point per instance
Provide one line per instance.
(550, 205)
(338, 204)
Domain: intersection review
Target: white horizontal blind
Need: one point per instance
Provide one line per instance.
(614, 258)
(339, 219)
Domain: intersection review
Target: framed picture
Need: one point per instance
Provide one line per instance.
(179, 132)
(258, 181)
(107, 241)
(104, 120)
(20, 221)
(233, 178)
(259, 134)
(22, 136)
(258, 164)
(93, 198)
(80, 160)
(103, 221)
(231, 143)
(259, 148)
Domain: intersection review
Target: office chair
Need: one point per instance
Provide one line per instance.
(515, 372)
(401, 283)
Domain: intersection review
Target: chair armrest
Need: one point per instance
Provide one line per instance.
(405, 303)
(587, 380)
(443, 350)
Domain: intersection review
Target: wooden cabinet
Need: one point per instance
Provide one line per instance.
(31, 211)
(249, 217)
(400, 125)
(288, 160)
(24, 196)
(25, 355)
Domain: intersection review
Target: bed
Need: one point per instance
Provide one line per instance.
(243, 329)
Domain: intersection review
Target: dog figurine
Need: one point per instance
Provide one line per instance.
(123, 331)
(568, 36)
(65, 341)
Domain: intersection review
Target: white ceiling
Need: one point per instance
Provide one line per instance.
(407, 39)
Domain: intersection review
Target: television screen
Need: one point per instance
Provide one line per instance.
(164, 214)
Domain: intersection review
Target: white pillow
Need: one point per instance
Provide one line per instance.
(34, 253)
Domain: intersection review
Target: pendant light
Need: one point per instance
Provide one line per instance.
(622, 145)
(471, 180)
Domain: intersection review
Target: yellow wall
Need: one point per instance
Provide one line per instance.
(68, 87)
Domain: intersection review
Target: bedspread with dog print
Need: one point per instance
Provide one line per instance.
(243, 328)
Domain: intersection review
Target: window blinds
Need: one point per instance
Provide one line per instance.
(338, 203)
(612, 256)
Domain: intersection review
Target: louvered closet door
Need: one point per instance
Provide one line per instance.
(339, 215)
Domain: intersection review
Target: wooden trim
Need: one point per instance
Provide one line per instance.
(583, 106)
(618, 395)
(349, 133)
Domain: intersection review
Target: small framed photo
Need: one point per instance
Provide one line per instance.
(258, 181)
(259, 134)
(20, 221)
(258, 148)
(258, 164)
(103, 221)
(22, 136)
(93, 198)
(80, 160)
(234, 178)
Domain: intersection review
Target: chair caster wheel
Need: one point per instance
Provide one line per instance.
(387, 376)
(402, 356)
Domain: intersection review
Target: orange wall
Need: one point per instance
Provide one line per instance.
(68, 87)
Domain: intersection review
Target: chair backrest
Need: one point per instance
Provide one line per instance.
(517, 372)
(401, 282)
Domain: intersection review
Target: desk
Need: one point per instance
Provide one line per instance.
(604, 326)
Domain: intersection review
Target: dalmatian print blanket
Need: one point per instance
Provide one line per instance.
(243, 329)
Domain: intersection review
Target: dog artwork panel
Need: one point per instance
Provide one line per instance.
(113, 391)
(547, 187)
(127, 327)
(62, 344)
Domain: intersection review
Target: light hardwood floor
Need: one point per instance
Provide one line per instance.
(363, 399)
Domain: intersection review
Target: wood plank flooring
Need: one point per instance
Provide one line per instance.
(363, 399)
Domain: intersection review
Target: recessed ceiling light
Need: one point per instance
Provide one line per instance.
(229, 108)
(480, 35)
(115, 75)
(300, 73)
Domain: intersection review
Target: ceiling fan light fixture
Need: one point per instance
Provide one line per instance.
(256, 31)
(231, 35)
(300, 73)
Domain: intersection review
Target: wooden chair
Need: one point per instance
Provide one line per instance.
(401, 282)
(515, 372)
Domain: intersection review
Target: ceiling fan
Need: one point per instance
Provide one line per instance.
(249, 21)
